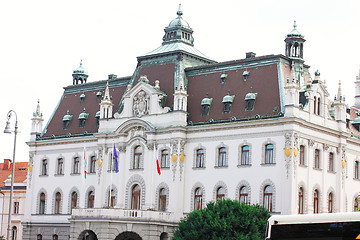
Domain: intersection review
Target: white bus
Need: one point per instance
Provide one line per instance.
(330, 226)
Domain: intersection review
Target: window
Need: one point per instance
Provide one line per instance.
(14, 233)
(164, 158)
(135, 197)
(331, 162)
(76, 166)
(57, 203)
(112, 162)
(16, 207)
(42, 204)
(269, 154)
(245, 155)
(137, 157)
(74, 199)
(66, 124)
(243, 198)
(314, 105)
(250, 105)
(39, 237)
(302, 155)
(205, 109)
(227, 107)
(198, 199)
(301, 201)
(356, 204)
(60, 166)
(317, 158)
(318, 107)
(93, 164)
(55, 237)
(200, 158)
(330, 204)
(162, 200)
(91, 199)
(268, 192)
(316, 201)
(44, 167)
(112, 196)
(222, 157)
(356, 174)
(220, 194)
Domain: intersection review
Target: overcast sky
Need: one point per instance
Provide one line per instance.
(42, 42)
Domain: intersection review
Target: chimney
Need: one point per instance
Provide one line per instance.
(250, 55)
(112, 76)
(7, 163)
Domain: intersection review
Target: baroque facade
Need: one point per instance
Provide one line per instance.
(259, 130)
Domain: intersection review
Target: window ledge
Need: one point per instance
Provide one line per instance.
(42, 175)
(199, 168)
(268, 164)
(91, 173)
(74, 174)
(317, 169)
(244, 165)
(164, 168)
(356, 179)
(226, 166)
(58, 175)
(136, 169)
(112, 171)
(303, 165)
(333, 172)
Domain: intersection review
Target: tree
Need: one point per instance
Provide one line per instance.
(226, 219)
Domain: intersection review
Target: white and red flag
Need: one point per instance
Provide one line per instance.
(157, 160)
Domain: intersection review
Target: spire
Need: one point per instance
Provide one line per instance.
(339, 95)
(37, 120)
(107, 92)
(106, 104)
(179, 12)
(37, 112)
(295, 25)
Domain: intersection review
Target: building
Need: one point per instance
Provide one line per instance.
(259, 130)
(19, 197)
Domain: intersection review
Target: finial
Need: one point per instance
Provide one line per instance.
(80, 62)
(84, 110)
(67, 112)
(179, 12)
(295, 24)
(207, 95)
(251, 89)
(229, 92)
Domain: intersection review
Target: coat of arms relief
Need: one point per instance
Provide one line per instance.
(141, 104)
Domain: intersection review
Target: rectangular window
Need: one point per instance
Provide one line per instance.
(222, 157)
(331, 162)
(93, 164)
(302, 155)
(44, 167)
(16, 207)
(200, 158)
(317, 158)
(245, 155)
(76, 165)
(269, 154)
(60, 166)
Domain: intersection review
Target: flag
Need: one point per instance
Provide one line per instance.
(85, 164)
(157, 160)
(116, 159)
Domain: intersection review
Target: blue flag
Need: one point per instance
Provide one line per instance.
(116, 159)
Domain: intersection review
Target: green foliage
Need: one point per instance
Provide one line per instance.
(226, 219)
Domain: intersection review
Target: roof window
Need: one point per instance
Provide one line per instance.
(227, 101)
(98, 95)
(250, 101)
(223, 78)
(97, 116)
(246, 75)
(205, 105)
(66, 120)
(82, 97)
(82, 118)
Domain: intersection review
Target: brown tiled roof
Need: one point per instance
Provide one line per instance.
(262, 79)
(21, 169)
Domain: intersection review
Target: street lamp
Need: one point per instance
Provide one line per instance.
(8, 130)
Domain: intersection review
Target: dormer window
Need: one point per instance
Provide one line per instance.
(223, 78)
(227, 101)
(205, 105)
(82, 118)
(82, 98)
(66, 120)
(250, 101)
(97, 116)
(98, 95)
(246, 75)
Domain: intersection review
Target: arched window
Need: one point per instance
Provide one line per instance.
(60, 166)
(111, 198)
(316, 201)
(200, 158)
(268, 192)
(42, 204)
(74, 198)
(164, 158)
(162, 200)
(14, 233)
(269, 154)
(198, 199)
(356, 204)
(243, 198)
(44, 167)
(91, 199)
(93, 164)
(222, 157)
(330, 204)
(356, 173)
(220, 194)
(39, 237)
(76, 165)
(55, 237)
(137, 157)
(318, 107)
(301, 201)
(57, 203)
(317, 158)
(314, 105)
(135, 197)
(302, 155)
(112, 162)
(331, 162)
(245, 155)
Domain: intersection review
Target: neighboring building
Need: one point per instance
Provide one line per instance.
(19, 197)
(259, 130)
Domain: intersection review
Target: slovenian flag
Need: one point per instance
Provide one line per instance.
(157, 160)
(116, 159)
(85, 163)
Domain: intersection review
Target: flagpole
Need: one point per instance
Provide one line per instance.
(111, 166)
(152, 205)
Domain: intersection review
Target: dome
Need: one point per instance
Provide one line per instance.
(179, 22)
(356, 121)
(317, 73)
(295, 32)
(250, 96)
(80, 69)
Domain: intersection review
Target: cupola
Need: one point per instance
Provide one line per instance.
(178, 30)
(80, 75)
(294, 44)
(356, 121)
(205, 105)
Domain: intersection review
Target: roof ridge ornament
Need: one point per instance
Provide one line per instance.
(295, 24)
(179, 12)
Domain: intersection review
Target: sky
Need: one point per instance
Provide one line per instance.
(42, 42)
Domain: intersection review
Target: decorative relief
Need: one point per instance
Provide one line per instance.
(137, 131)
(296, 140)
(141, 104)
(100, 167)
(288, 139)
(31, 164)
(311, 143)
(121, 147)
(326, 147)
(150, 145)
(174, 148)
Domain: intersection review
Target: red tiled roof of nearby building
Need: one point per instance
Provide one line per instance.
(21, 170)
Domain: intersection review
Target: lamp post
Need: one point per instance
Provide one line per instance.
(8, 130)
